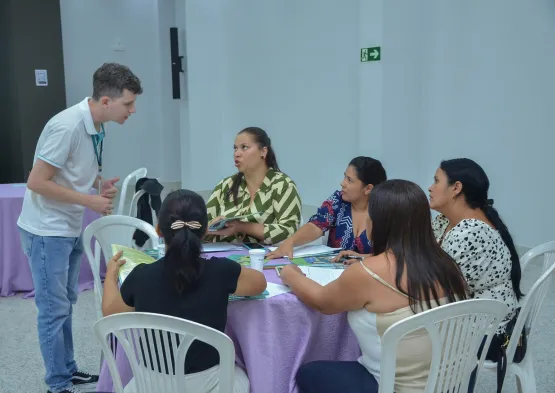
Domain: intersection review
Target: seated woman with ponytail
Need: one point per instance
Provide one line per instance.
(183, 284)
(258, 187)
(471, 231)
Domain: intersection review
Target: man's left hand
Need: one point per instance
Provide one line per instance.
(109, 189)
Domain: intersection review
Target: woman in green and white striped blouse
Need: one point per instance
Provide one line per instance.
(259, 190)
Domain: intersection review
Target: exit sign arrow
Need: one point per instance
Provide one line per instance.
(370, 54)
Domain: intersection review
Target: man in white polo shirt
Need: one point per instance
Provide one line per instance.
(67, 164)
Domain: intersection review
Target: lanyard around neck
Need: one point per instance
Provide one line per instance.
(98, 144)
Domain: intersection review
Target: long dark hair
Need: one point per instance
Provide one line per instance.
(263, 140)
(182, 260)
(369, 170)
(475, 187)
(402, 225)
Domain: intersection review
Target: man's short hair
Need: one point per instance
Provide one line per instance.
(112, 78)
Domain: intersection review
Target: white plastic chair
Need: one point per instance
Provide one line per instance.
(170, 337)
(134, 200)
(530, 308)
(135, 175)
(133, 213)
(107, 231)
(456, 332)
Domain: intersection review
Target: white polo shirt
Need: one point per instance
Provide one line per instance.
(66, 143)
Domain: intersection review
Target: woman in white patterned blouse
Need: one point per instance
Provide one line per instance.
(471, 231)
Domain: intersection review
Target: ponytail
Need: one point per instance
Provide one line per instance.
(183, 221)
(263, 140)
(493, 216)
(271, 160)
(182, 260)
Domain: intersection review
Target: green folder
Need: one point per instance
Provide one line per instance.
(132, 258)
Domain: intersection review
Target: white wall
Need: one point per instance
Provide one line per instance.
(402, 145)
(472, 79)
(371, 34)
(150, 138)
(288, 67)
(202, 116)
(169, 108)
(475, 79)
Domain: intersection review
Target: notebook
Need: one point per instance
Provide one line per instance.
(310, 250)
(220, 247)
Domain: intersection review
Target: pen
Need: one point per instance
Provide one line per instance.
(354, 257)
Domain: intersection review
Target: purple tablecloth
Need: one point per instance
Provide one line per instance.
(15, 275)
(273, 338)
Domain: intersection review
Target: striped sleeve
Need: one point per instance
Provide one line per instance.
(287, 211)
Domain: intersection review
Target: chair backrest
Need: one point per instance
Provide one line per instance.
(135, 175)
(456, 331)
(534, 299)
(546, 249)
(133, 213)
(110, 230)
(156, 346)
(134, 200)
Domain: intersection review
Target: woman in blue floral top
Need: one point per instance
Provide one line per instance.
(343, 214)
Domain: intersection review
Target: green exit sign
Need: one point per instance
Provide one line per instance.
(371, 54)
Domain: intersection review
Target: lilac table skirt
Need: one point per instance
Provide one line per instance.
(15, 275)
(273, 338)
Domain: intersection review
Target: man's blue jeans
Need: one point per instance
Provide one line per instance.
(55, 263)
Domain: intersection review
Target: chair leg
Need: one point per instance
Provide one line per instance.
(525, 377)
(101, 361)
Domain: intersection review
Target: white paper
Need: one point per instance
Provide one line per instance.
(276, 289)
(220, 247)
(321, 275)
(310, 250)
(41, 77)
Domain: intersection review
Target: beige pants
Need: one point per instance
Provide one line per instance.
(203, 382)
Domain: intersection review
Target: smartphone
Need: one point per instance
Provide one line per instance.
(253, 246)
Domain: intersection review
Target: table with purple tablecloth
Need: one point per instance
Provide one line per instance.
(273, 337)
(15, 274)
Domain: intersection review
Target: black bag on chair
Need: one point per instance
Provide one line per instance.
(151, 200)
(497, 350)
